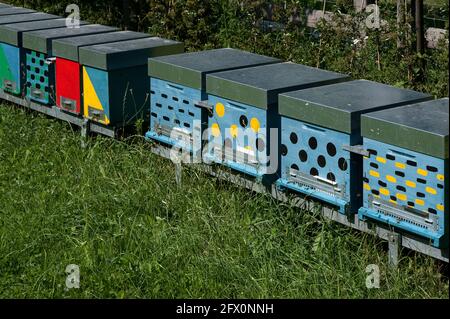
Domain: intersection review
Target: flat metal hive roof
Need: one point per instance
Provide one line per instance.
(12, 33)
(14, 10)
(41, 41)
(259, 86)
(190, 69)
(67, 48)
(130, 53)
(421, 127)
(339, 106)
(18, 18)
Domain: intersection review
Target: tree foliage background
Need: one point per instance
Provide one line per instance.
(278, 28)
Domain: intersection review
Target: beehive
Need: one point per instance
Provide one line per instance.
(245, 121)
(39, 67)
(4, 5)
(68, 69)
(116, 86)
(320, 135)
(11, 54)
(14, 10)
(406, 174)
(178, 83)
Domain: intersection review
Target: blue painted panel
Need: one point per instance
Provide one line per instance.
(314, 163)
(410, 185)
(242, 131)
(100, 82)
(173, 111)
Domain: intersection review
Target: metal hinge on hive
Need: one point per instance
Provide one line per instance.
(356, 149)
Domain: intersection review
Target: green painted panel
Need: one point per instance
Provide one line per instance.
(339, 106)
(421, 127)
(124, 54)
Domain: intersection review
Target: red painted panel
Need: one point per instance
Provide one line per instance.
(68, 85)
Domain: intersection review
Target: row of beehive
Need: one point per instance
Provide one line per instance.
(365, 147)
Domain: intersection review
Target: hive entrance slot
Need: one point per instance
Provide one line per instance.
(405, 214)
(316, 183)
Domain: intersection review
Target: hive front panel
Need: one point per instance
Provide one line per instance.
(406, 174)
(178, 84)
(321, 140)
(10, 74)
(244, 129)
(312, 162)
(69, 70)
(116, 86)
(40, 67)
(238, 137)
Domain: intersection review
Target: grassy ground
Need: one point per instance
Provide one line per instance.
(114, 210)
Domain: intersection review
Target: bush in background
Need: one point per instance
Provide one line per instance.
(341, 44)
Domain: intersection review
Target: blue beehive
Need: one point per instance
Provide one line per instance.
(244, 128)
(406, 172)
(321, 135)
(178, 84)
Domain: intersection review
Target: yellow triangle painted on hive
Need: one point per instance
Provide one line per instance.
(90, 97)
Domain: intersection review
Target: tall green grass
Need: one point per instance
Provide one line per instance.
(114, 209)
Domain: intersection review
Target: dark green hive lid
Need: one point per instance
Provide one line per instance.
(14, 10)
(41, 41)
(421, 127)
(26, 17)
(125, 54)
(190, 69)
(339, 106)
(259, 86)
(13, 33)
(67, 48)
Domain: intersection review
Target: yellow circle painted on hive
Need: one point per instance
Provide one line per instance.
(215, 130)
(254, 124)
(220, 109)
(234, 131)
